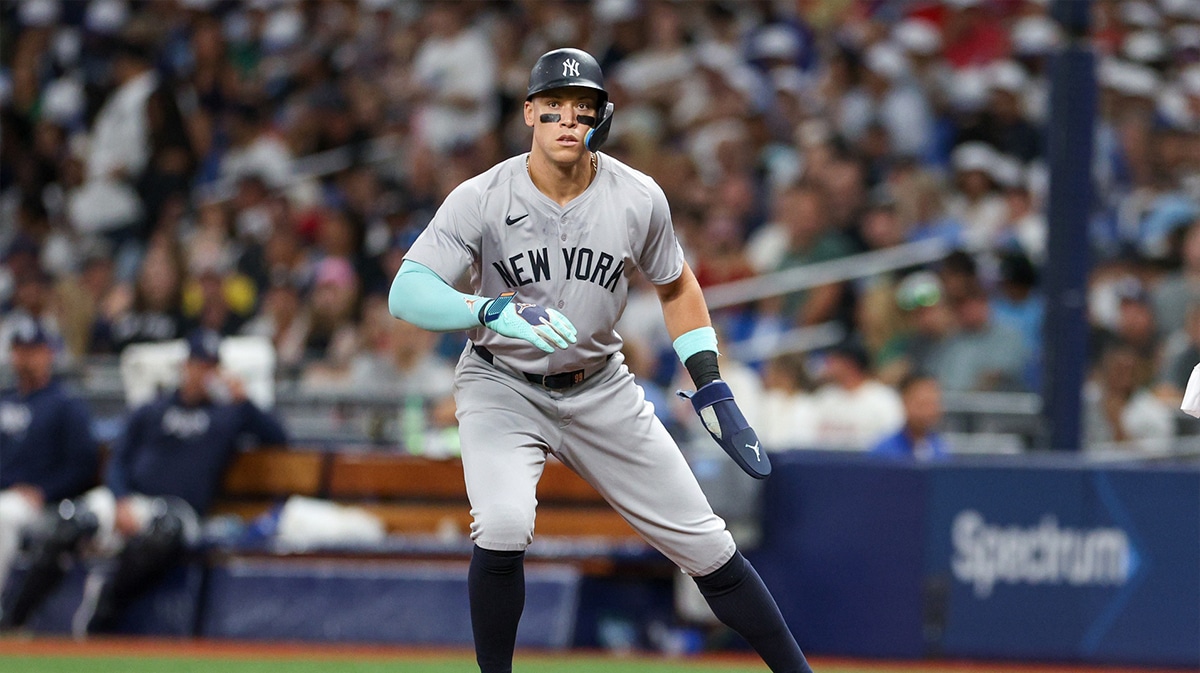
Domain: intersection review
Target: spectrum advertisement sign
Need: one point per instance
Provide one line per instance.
(1070, 564)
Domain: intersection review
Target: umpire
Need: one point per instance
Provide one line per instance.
(162, 476)
(47, 451)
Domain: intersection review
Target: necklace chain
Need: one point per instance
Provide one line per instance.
(595, 163)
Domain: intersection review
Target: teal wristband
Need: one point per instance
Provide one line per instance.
(695, 341)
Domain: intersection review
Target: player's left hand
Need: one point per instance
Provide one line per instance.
(725, 422)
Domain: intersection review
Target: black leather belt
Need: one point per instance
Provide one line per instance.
(560, 381)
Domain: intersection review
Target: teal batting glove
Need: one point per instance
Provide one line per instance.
(542, 327)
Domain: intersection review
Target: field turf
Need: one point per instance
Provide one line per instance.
(136, 656)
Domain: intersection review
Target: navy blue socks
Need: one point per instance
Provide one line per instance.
(496, 586)
(737, 595)
(741, 601)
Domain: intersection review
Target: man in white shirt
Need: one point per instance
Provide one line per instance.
(139, 157)
(454, 77)
(255, 150)
(853, 409)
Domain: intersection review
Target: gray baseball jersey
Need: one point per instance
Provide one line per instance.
(575, 258)
(572, 258)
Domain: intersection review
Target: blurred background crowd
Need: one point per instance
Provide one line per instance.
(260, 167)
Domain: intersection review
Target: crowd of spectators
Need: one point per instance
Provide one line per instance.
(260, 166)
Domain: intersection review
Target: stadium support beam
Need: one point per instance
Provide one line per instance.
(1069, 140)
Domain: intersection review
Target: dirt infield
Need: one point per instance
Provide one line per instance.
(225, 649)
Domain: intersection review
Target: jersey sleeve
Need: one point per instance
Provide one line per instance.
(451, 242)
(120, 463)
(661, 259)
(263, 425)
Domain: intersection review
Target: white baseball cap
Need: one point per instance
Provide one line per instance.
(1032, 35)
(1007, 171)
(1006, 76)
(776, 41)
(106, 17)
(973, 156)
(1144, 46)
(38, 13)
(1130, 79)
(917, 36)
(886, 60)
(283, 28)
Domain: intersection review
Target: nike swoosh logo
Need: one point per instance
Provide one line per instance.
(754, 448)
(510, 220)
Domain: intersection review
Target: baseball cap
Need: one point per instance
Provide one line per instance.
(973, 155)
(922, 288)
(886, 60)
(29, 332)
(1144, 46)
(1035, 35)
(918, 36)
(38, 13)
(1007, 76)
(776, 41)
(204, 345)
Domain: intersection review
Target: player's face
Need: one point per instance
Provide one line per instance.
(923, 405)
(193, 385)
(33, 363)
(558, 131)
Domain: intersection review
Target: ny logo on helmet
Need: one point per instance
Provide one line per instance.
(570, 68)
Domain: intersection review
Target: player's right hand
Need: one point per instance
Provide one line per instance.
(542, 327)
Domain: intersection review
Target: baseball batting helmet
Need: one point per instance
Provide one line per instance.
(574, 67)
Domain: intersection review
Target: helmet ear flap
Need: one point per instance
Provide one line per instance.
(599, 133)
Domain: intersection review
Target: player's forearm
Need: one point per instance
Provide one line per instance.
(419, 296)
(686, 315)
(683, 305)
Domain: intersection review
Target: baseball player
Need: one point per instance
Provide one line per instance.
(47, 451)
(544, 235)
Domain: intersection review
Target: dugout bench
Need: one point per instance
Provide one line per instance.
(585, 563)
(418, 498)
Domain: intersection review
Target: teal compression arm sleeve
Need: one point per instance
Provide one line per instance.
(419, 296)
